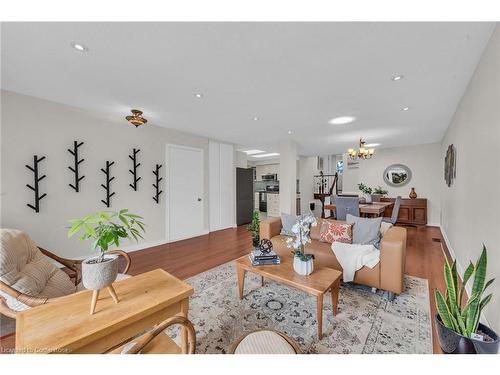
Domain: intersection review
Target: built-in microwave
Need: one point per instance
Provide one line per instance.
(270, 177)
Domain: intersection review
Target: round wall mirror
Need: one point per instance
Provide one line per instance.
(397, 175)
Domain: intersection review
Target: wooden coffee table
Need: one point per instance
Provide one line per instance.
(319, 282)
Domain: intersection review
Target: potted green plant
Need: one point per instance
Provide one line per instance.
(378, 193)
(303, 263)
(367, 191)
(105, 228)
(457, 324)
(254, 228)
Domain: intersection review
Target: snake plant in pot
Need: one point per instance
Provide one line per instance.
(457, 323)
(105, 229)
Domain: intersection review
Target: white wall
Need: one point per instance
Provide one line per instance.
(33, 126)
(307, 171)
(221, 186)
(426, 166)
(471, 206)
(288, 177)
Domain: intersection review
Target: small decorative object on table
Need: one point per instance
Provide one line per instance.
(264, 254)
(367, 191)
(100, 272)
(254, 228)
(302, 263)
(413, 194)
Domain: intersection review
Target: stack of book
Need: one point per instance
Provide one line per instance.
(259, 258)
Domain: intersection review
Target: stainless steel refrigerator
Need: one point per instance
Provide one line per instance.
(244, 195)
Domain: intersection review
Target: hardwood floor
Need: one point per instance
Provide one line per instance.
(424, 258)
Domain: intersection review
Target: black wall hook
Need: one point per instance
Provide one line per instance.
(75, 169)
(107, 187)
(36, 181)
(135, 165)
(156, 172)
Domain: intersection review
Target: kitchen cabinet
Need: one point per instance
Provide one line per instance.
(267, 169)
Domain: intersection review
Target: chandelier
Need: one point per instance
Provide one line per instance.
(136, 118)
(362, 153)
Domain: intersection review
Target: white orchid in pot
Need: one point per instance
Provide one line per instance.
(302, 263)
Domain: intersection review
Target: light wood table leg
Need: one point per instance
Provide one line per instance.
(184, 331)
(319, 314)
(111, 291)
(95, 296)
(335, 296)
(241, 280)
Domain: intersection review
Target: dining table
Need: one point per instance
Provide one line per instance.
(374, 209)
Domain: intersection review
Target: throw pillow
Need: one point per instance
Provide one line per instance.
(287, 222)
(365, 231)
(333, 230)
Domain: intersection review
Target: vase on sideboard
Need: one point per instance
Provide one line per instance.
(413, 194)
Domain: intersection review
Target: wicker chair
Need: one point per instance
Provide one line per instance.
(152, 342)
(13, 300)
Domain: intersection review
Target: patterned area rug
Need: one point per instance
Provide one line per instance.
(365, 323)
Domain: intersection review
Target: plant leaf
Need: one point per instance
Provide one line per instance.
(443, 310)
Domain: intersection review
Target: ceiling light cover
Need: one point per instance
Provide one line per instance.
(342, 120)
(198, 95)
(405, 109)
(79, 47)
(398, 77)
(255, 118)
(136, 119)
(253, 152)
(266, 155)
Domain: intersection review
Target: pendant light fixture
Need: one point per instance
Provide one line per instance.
(136, 119)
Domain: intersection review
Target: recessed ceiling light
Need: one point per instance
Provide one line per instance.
(398, 77)
(342, 120)
(289, 132)
(79, 47)
(372, 145)
(266, 155)
(198, 95)
(405, 109)
(255, 118)
(253, 152)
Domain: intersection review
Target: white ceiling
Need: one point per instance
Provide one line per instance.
(292, 76)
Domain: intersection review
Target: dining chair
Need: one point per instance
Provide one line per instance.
(395, 211)
(346, 205)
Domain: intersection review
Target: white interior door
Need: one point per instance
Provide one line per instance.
(185, 181)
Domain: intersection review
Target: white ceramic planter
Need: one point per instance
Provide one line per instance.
(301, 267)
(368, 198)
(99, 275)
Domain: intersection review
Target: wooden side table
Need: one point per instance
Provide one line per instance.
(65, 326)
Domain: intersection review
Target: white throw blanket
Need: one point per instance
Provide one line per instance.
(353, 257)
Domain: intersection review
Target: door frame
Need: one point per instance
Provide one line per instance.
(168, 189)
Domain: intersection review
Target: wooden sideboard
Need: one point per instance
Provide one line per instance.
(411, 212)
